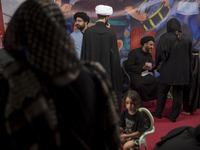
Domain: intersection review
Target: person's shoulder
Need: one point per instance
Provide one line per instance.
(186, 36)
(111, 31)
(164, 38)
(123, 113)
(89, 30)
(134, 51)
(93, 27)
(139, 113)
(165, 35)
(75, 32)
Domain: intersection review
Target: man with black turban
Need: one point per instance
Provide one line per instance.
(81, 22)
(146, 39)
(139, 67)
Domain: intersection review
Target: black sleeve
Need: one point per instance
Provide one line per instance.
(122, 123)
(141, 122)
(132, 65)
(5, 138)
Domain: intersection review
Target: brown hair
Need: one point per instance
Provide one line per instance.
(135, 98)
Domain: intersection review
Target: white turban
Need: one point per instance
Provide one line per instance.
(103, 10)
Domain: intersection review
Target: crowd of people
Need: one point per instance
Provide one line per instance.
(64, 91)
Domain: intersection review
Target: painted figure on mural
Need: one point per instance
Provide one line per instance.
(188, 12)
(144, 17)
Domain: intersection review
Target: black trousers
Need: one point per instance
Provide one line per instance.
(177, 99)
(188, 103)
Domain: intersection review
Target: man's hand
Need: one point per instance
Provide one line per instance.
(108, 25)
(147, 66)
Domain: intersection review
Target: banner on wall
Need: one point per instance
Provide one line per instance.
(1, 28)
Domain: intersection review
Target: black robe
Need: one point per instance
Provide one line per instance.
(176, 69)
(145, 85)
(85, 114)
(100, 44)
(191, 95)
(181, 138)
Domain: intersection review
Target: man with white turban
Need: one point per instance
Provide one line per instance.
(100, 44)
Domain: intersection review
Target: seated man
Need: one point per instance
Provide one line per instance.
(139, 67)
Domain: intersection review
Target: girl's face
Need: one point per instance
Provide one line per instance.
(129, 105)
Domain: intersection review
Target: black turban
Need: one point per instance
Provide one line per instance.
(82, 15)
(146, 39)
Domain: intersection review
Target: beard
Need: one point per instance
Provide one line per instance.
(80, 27)
(148, 49)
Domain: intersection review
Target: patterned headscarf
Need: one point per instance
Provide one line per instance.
(39, 42)
(37, 34)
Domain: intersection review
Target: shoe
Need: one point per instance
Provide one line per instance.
(185, 113)
(172, 120)
(159, 116)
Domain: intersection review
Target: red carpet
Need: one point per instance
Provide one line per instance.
(163, 126)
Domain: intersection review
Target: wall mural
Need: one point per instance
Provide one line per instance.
(1, 28)
(132, 19)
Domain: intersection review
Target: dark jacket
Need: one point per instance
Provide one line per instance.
(182, 138)
(100, 44)
(136, 60)
(175, 62)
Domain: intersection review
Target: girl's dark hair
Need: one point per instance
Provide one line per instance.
(135, 98)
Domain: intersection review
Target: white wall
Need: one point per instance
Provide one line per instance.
(9, 7)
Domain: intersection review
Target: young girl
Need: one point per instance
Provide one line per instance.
(131, 121)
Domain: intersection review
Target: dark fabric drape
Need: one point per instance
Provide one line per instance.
(146, 86)
(191, 99)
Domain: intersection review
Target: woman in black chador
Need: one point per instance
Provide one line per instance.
(50, 100)
(174, 52)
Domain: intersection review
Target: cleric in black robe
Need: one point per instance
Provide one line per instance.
(146, 85)
(100, 44)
